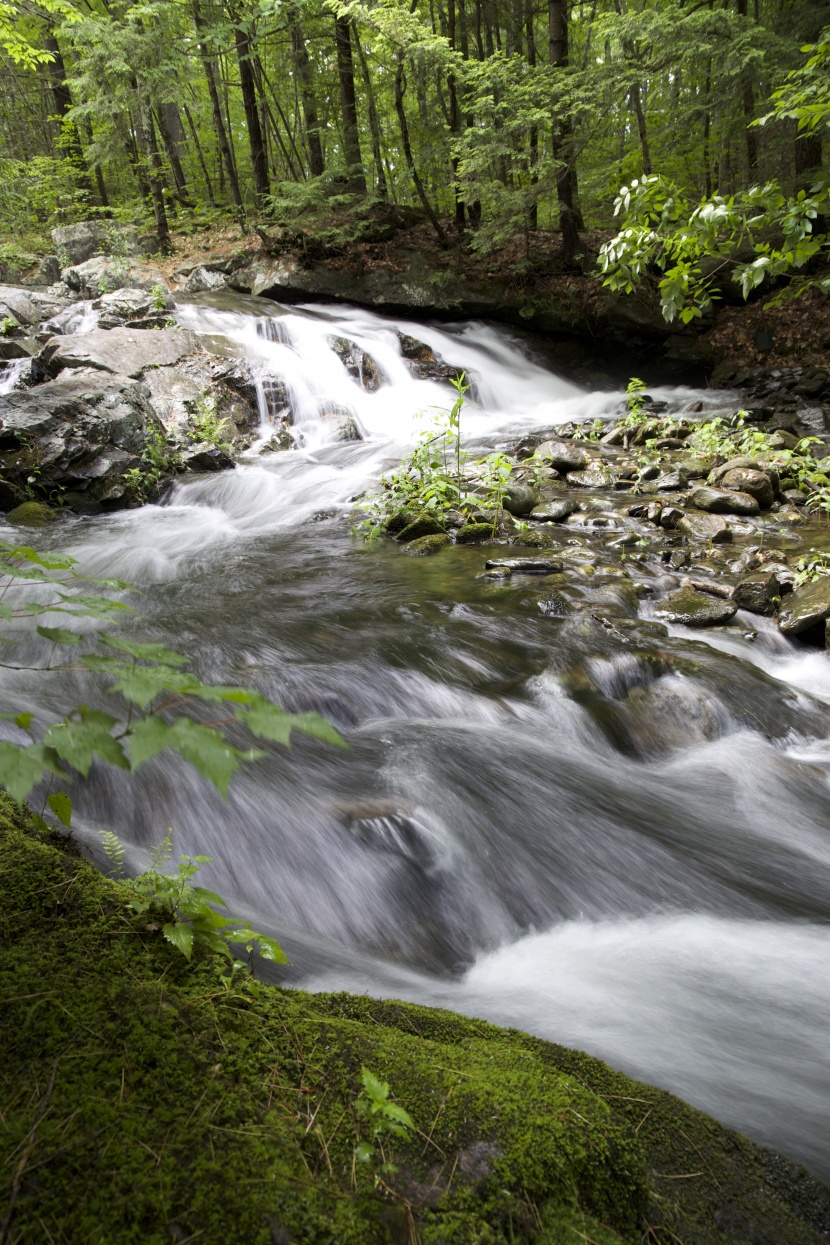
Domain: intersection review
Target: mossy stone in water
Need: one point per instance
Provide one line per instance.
(695, 609)
(31, 514)
(399, 520)
(425, 545)
(472, 533)
(423, 525)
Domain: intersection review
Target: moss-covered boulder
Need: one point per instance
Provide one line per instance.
(31, 514)
(422, 525)
(425, 545)
(145, 1100)
(474, 533)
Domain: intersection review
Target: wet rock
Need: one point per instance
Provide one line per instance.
(208, 458)
(672, 482)
(533, 539)
(49, 270)
(423, 546)
(519, 499)
(705, 527)
(720, 501)
(31, 514)
(670, 516)
(202, 280)
(806, 607)
(757, 593)
(756, 483)
(782, 440)
(81, 433)
(696, 609)
(562, 455)
(695, 468)
(594, 477)
(17, 304)
(553, 511)
(473, 533)
(525, 566)
(101, 275)
(423, 525)
(122, 306)
(671, 714)
(124, 352)
(278, 442)
(357, 363)
(11, 348)
(398, 521)
(557, 606)
(76, 243)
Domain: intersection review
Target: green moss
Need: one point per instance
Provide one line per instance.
(31, 514)
(423, 546)
(144, 1102)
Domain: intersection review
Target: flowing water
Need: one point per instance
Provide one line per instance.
(565, 821)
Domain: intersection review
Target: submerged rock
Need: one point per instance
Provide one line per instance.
(806, 607)
(695, 609)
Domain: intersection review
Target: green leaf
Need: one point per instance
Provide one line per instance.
(61, 806)
(59, 636)
(144, 652)
(77, 742)
(21, 769)
(205, 748)
(181, 936)
(364, 1153)
(270, 949)
(269, 721)
(377, 1090)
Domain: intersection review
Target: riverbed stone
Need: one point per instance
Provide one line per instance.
(423, 546)
(473, 533)
(31, 514)
(122, 351)
(422, 525)
(554, 511)
(562, 455)
(806, 607)
(201, 280)
(758, 593)
(720, 501)
(695, 609)
(593, 477)
(525, 566)
(701, 526)
(756, 483)
(519, 499)
(101, 274)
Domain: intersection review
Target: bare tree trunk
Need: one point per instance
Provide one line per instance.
(302, 65)
(259, 158)
(562, 135)
(348, 103)
(455, 118)
(400, 87)
(218, 121)
(154, 174)
(200, 155)
(748, 100)
(374, 124)
(172, 136)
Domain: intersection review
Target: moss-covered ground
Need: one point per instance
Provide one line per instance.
(142, 1100)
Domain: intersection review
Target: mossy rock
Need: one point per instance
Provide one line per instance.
(145, 1102)
(423, 525)
(31, 514)
(398, 521)
(532, 540)
(474, 533)
(425, 545)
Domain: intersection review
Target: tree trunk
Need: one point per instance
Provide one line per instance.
(172, 136)
(455, 118)
(348, 103)
(154, 175)
(71, 145)
(200, 156)
(400, 87)
(748, 101)
(374, 124)
(316, 165)
(259, 158)
(216, 106)
(562, 135)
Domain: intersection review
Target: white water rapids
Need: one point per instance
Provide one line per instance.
(666, 910)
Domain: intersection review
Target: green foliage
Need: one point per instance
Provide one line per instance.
(8, 325)
(148, 680)
(805, 95)
(159, 297)
(811, 566)
(204, 423)
(157, 461)
(385, 1119)
(191, 921)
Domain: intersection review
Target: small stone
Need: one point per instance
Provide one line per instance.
(696, 609)
(525, 566)
(670, 516)
(423, 546)
(696, 468)
(423, 525)
(592, 478)
(553, 511)
(782, 440)
(705, 527)
(654, 512)
(671, 482)
(718, 501)
(472, 533)
(806, 606)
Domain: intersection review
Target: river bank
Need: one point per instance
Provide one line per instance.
(145, 1100)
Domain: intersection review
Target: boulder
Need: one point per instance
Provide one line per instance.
(705, 527)
(357, 363)
(671, 482)
(122, 351)
(594, 477)
(473, 533)
(79, 434)
(208, 457)
(782, 440)
(756, 483)
(757, 593)
(49, 270)
(553, 511)
(807, 606)
(423, 525)
(17, 304)
(562, 455)
(695, 468)
(202, 279)
(720, 501)
(695, 609)
(423, 546)
(31, 514)
(102, 275)
(519, 499)
(76, 243)
(525, 566)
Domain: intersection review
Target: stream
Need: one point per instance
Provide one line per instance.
(568, 822)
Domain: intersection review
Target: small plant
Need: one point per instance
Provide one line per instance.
(495, 473)
(8, 325)
(386, 1120)
(159, 296)
(812, 567)
(636, 412)
(205, 424)
(143, 482)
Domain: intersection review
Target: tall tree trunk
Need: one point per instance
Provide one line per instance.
(562, 135)
(300, 163)
(200, 155)
(348, 103)
(154, 173)
(216, 106)
(748, 101)
(374, 123)
(533, 137)
(172, 136)
(302, 65)
(247, 82)
(400, 88)
(71, 144)
(455, 118)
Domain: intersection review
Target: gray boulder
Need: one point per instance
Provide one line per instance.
(757, 593)
(695, 609)
(128, 352)
(202, 280)
(17, 304)
(806, 607)
(720, 501)
(208, 458)
(101, 275)
(705, 527)
(78, 434)
(519, 499)
(562, 455)
(756, 483)
(553, 511)
(79, 242)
